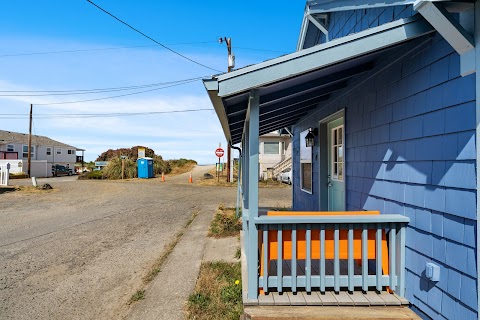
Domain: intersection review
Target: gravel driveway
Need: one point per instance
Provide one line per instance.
(80, 251)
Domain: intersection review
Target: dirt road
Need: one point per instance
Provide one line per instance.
(80, 252)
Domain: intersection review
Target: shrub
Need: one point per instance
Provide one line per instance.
(160, 165)
(114, 169)
(98, 175)
(131, 153)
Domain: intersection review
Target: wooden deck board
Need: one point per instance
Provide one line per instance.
(390, 299)
(374, 299)
(280, 299)
(266, 300)
(312, 299)
(344, 299)
(328, 299)
(296, 299)
(359, 299)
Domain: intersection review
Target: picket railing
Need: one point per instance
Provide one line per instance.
(311, 274)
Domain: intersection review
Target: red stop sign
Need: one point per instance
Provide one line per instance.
(219, 152)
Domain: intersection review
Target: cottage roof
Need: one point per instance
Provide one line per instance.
(17, 137)
(293, 85)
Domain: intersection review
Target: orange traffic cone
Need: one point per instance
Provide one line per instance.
(190, 180)
(163, 177)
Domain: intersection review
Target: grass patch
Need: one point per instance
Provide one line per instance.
(238, 253)
(218, 182)
(18, 175)
(157, 266)
(28, 189)
(224, 223)
(137, 296)
(218, 292)
(284, 208)
(222, 182)
(269, 183)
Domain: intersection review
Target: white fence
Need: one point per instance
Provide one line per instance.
(4, 174)
(39, 168)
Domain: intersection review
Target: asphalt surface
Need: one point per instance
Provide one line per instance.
(81, 250)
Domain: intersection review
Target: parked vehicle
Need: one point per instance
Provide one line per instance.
(286, 176)
(58, 170)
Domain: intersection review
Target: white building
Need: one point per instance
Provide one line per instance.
(275, 153)
(45, 152)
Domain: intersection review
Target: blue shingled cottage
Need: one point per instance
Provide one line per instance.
(381, 99)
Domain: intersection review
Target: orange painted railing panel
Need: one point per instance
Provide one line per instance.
(329, 242)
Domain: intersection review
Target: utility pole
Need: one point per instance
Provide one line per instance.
(30, 142)
(231, 65)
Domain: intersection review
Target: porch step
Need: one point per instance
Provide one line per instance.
(328, 313)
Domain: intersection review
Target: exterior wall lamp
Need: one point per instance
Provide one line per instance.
(310, 137)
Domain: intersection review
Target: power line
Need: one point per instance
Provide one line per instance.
(127, 47)
(97, 49)
(150, 38)
(37, 93)
(112, 97)
(93, 115)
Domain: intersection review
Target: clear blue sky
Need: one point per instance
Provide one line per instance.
(260, 30)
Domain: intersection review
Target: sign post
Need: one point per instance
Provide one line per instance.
(219, 153)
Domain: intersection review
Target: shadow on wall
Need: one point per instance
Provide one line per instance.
(423, 182)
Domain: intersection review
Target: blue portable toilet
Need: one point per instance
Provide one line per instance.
(145, 168)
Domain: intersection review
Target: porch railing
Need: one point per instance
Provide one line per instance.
(313, 275)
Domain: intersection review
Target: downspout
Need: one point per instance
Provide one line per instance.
(238, 176)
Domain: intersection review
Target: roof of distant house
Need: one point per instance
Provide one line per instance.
(17, 137)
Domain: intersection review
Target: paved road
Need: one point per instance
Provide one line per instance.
(80, 251)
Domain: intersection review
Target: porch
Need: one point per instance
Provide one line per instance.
(336, 258)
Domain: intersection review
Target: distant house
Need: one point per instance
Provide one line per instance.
(275, 153)
(45, 152)
(383, 98)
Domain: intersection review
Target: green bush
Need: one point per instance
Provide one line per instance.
(114, 169)
(97, 175)
(180, 162)
(160, 165)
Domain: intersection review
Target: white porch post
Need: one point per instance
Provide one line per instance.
(253, 114)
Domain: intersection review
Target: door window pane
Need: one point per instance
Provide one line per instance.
(337, 158)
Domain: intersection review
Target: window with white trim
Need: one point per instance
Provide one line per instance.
(25, 151)
(11, 148)
(59, 150)
(70, 151)
(337, 152)
(49, 151)
(305, 164)
(270, 147)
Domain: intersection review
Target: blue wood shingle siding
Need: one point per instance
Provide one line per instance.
(343, 23)
(411, 150)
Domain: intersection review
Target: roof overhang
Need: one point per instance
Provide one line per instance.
(292, 85)
(323, 6)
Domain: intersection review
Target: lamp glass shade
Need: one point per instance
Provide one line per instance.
(310, 140)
